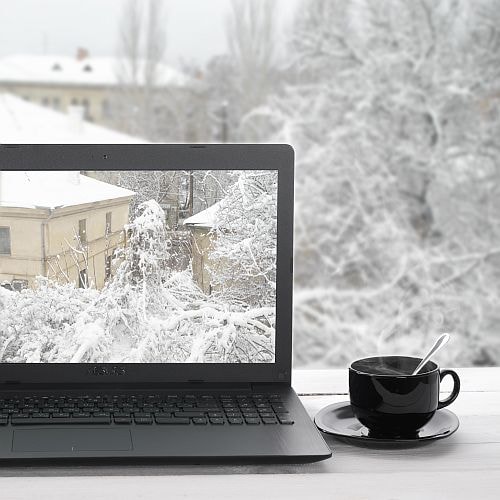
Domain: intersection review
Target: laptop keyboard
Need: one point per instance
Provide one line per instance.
(140, 409)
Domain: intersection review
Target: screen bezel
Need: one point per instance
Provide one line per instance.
(278, 157)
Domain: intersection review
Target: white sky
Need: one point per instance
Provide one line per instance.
(195, 27)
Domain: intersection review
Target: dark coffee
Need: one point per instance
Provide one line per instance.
(389, 401)
(390, 365)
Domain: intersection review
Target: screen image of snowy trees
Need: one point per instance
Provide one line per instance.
(150, 312)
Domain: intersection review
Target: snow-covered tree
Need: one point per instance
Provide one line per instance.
(141, 52)
(393, 114)
(243, 260)
(247, 76)
(147, 312)
(38, 325)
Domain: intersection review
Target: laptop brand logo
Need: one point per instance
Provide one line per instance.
(106, 371)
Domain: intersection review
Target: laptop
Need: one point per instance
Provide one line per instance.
(146, 305)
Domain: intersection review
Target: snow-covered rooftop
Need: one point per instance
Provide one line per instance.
(66, 70)
(22, 122)
(32, 189)
(205, 218)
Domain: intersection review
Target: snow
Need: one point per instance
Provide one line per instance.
(206, 218)
(30, 189)
(22, 122)
(149, 311)
(66, 70)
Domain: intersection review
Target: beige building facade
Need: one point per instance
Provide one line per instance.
(90, 83)
(95, 101)
(73, 243)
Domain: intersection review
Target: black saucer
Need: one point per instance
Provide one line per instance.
(337, 419)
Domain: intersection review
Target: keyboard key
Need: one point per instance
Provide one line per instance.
(3, 420)
(279, 409)
(143, 420)
(81, 415)
(172, 421)
(231, 414)
(142, 415)
(58, 421)
(123, 420)
(60, 415)
(286, 421)
(265, 410)
(252, 421)
(269, 420)
(250, 414)
(200, 421)
(235, 421)
(189, 414)
(163, 414)
(267, 415)
(217, 421)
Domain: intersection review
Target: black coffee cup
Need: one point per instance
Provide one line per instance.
(389, 401)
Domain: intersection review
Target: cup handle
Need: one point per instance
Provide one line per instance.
(454, 392)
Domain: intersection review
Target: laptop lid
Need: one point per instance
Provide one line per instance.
(146, 263)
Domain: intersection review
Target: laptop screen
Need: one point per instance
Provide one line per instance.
(138, 266)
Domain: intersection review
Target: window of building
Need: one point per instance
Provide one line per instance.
(74, 101)
(56, 102)
(86, 109)
(4, 240)
(19, 285)
(82, 231)
(106, 108)
(45, 101)
(108, 223)
(82, 279)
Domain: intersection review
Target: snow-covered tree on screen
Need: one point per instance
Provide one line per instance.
(35, 324)
(243, 260)
(148, 310)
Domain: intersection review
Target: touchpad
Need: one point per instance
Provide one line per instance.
(72, 440)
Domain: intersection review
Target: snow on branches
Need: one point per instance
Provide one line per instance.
(393, 111)
(149, 312)
(243, 260)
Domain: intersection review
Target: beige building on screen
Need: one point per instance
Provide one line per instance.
(61, 225)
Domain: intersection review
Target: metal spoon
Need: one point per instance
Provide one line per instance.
(440, 342)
